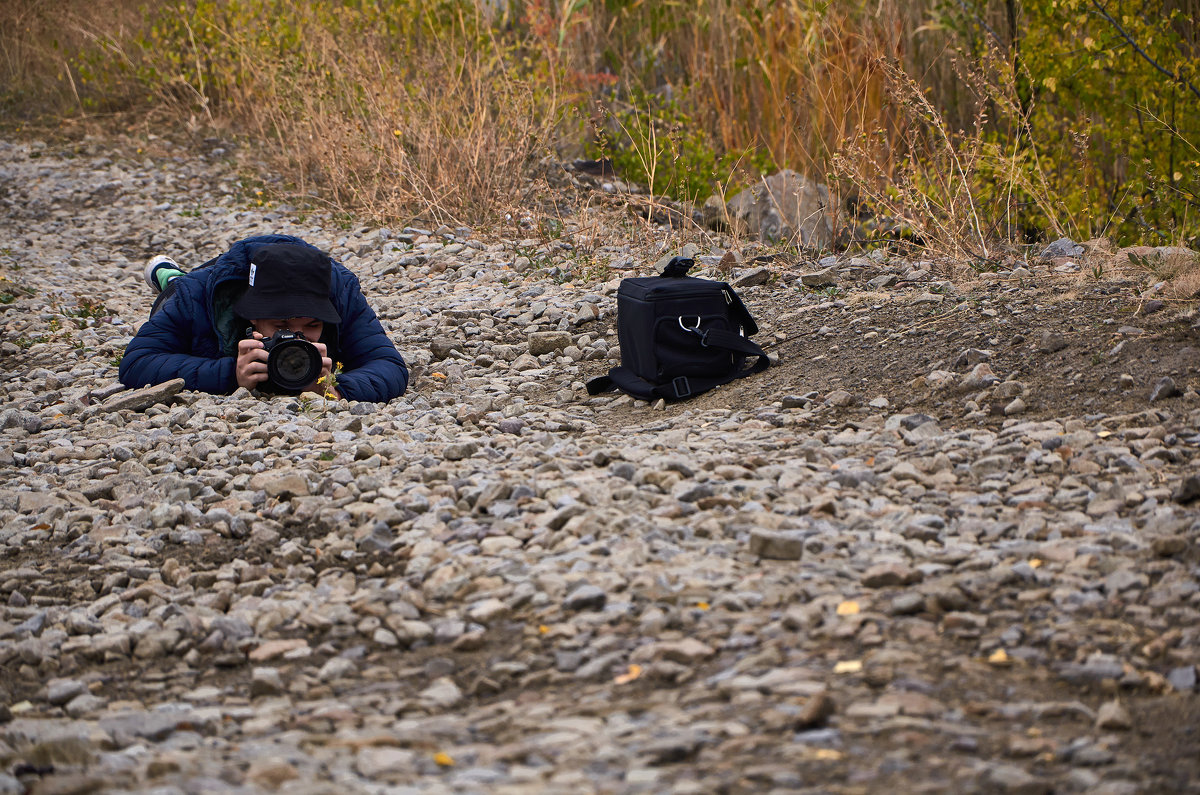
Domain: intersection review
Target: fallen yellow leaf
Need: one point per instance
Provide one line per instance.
(848, 608)
(633, 673)
(999, 657)
(827, 754)
(443, 759)
(702, 605)
(437, 375)
(543, 629)
(847, 666)
(1035, 563)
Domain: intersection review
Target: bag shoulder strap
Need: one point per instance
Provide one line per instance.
(623, 378)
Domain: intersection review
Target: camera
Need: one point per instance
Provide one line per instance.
(292, 361)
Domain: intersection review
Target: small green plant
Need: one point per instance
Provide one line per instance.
(85, 308)
(26, 343)
(982, 265)
(330, 382)
(10, 290)
(1097, 271)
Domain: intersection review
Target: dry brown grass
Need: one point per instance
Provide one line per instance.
(451, 141)
(40, 42)
(1177, 268)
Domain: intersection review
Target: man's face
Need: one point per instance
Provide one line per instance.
(311, 328)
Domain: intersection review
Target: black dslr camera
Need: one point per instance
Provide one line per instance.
(292, 361)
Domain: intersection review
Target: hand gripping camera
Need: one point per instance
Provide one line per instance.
(292, 361)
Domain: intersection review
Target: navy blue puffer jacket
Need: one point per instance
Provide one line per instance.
(195, 333)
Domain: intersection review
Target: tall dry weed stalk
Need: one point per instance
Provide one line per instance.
(930, 195)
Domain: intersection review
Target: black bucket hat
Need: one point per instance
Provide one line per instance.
(287, 280)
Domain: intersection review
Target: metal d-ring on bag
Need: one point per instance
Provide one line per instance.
(680, 336)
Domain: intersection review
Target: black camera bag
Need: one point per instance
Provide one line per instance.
(680, 336)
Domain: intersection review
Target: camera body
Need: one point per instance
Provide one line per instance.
(292, 361)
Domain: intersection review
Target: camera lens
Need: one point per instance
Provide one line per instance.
(293, 364)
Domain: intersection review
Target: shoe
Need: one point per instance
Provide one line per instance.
(160, 270)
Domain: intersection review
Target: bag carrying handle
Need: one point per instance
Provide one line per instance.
(677, 267)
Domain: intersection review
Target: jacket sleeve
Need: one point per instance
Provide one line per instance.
(373, 370)
(161, 351)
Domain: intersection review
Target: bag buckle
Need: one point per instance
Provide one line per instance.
(703, 335)
(681, 386)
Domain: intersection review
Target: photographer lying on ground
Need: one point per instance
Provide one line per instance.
(273, 313)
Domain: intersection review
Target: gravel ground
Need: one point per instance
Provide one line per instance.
(967, 563)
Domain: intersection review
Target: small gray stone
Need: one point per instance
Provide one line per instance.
(1183, 678)
(60, 691)
(548, 341)
(337, 668)
(797, 401)
(840, 398)
(752, 277)
(459, 450)
(84, 705)
(1052, 342)
(1164, 388)
(442, 347)
(883, 575)
(1063, 247)
(585, 597)
(512, 425)
(443, 694)
(826, 277)
(907, 603)
(1188, 491)
(1016, 406)
(980, 377)
(776, 545)
(266, 682)
(1010, 778)
(913, 421)
(282, 485)
(1112, 715)
(144, 398)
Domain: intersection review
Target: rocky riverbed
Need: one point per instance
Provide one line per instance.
(948, 544)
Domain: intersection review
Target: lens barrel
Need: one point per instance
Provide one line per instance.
(292, 361)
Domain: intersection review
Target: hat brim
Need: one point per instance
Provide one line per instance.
(259, 307)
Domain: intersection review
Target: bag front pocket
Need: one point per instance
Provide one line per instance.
(679, 345)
